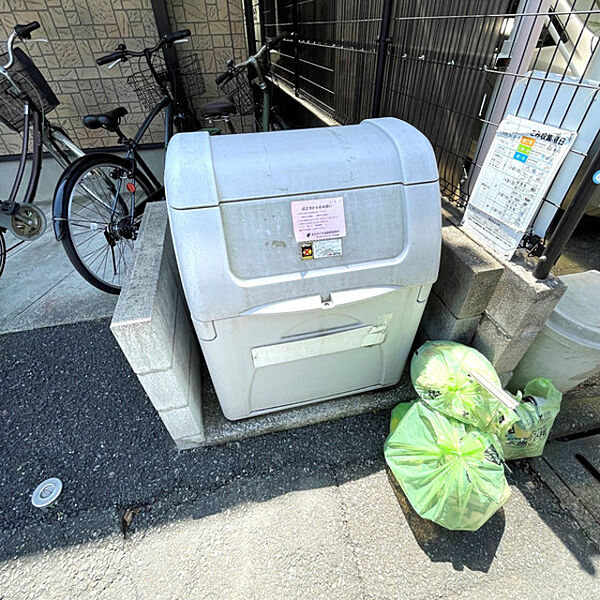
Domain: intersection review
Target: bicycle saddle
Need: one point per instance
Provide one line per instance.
(109, 120)
(222, 106)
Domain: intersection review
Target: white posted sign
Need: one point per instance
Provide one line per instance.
(516, 174)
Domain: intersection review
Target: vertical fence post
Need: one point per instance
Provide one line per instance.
(569, 221)
(296, 35)
(261, 19)
(161, 18)
(250, 33)
(525, 37)
(382, 44)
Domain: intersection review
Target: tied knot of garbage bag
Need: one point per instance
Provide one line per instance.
(440, 375)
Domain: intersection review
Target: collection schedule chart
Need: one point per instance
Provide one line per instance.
(516, 174)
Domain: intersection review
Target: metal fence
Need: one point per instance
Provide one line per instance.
(451, 67)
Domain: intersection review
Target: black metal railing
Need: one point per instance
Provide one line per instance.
(451, 68)
(330, 58)
(439, 64)
(407, 58)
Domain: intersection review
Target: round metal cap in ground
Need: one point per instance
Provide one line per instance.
(47, 492)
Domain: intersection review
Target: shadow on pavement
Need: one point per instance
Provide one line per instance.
(474, 550)
(70, 407)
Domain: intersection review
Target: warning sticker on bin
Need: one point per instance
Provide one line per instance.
(327, 248)
(321, 219)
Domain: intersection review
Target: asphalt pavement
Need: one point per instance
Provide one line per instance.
(308, 513)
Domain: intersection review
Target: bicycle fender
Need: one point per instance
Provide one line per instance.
(60, 200)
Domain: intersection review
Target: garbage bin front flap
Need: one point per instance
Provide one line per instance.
(283, 320)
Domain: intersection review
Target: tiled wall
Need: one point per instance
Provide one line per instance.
(81, 30)
(217, 28)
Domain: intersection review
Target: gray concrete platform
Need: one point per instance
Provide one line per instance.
(40, 287)
(219, 430)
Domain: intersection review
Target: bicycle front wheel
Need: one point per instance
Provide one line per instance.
(99, 214)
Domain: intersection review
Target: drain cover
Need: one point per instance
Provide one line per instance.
(47, 492)
(577, 463)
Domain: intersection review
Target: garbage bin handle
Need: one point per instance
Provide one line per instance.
(315, 302)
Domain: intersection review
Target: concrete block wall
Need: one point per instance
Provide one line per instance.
(153, 327)
(468, 278)
(496, 306)
(515, 315)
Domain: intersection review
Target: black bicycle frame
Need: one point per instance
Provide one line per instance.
(136, 159)
(165, 104)
(30, 115)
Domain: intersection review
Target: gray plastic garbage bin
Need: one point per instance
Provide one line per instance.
(306, 256)
(567, 350)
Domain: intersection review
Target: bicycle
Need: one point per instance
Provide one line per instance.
(25, 100)
(100, 198)
(238, 96)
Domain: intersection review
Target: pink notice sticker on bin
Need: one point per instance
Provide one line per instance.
(321, 219)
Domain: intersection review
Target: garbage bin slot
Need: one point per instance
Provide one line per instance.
(324, 301)
(360, 337)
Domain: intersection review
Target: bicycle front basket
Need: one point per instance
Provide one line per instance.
(238, 88)
(32, 86)
(149, 92)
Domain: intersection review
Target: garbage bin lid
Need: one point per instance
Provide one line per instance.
(203, 171)
(577, 315)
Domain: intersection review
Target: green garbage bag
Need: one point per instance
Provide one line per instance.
(398, 414)
(451, 473)
(536, 412)
(440, 375)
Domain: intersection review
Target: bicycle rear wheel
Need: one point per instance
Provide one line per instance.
(100, 233)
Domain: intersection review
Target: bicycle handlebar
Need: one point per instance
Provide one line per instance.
(171, 38)
(24, 31)
(274, 42)
(271, 43)
(122, 54)
(117, 55)
(224, 77)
